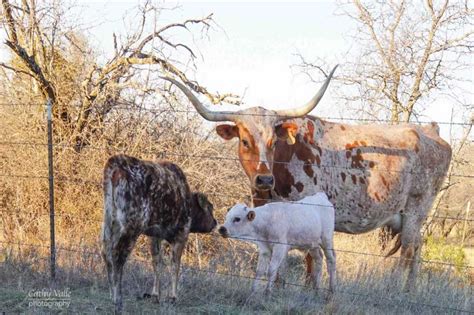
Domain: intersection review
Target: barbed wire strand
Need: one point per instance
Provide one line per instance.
(98, 184)
(163, 154)
(236, 113)
(340, 251)
(349, 252)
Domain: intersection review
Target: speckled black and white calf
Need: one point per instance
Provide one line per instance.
(154, 199)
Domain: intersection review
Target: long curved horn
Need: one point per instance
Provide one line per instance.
(201, 109)
(298, 112)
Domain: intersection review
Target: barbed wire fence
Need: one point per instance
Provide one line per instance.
(53, 176)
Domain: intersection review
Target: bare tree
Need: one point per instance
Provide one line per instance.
(403, 55)
(456, 192)
(118, 105)
(47, 48)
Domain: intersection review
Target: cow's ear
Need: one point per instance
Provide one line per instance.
(248, 200)
(251, 215)
(227, 132)
(203, 201)
(287, 131)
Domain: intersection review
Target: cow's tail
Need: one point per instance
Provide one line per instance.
(109, 206)
(391, 231)
(396, 247)
(115, 184)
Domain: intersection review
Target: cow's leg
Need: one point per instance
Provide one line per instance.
(410, 250)
(330, 254)
(410, 238)
(107, 257)
(309, 268)
(107, 238)
(119, 254)
(264, 254)
(317, 271)
(157, 260)
(176, 252)
(278, 255)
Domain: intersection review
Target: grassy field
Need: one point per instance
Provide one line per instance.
(221, 285)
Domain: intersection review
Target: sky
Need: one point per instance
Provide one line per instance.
(252, 51)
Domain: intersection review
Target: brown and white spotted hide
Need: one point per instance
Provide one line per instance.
(375, 175)
(154, 199)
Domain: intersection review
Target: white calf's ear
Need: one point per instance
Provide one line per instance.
(251, 215)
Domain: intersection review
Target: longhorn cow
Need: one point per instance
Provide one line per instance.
(376, 175)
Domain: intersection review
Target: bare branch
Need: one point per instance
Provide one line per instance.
(403, 54)
(16, 70)
(30, 62)
(10, 21)
(206, 21)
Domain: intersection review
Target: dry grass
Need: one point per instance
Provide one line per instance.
(222, 284)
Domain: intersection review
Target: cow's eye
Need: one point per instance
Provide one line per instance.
(236, 220)
(245, 143)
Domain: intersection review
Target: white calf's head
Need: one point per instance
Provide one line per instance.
(238, 222)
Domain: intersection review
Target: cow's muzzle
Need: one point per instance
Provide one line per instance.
(264, 182)
(223, 231)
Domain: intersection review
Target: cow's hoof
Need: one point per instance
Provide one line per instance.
(329, 297)
(268, 291)
(118, 309)
(409, 288)
(250, 300)
(172, 300)
(317, 292)
(146, 296)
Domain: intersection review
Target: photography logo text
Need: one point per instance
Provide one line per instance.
(50, 298)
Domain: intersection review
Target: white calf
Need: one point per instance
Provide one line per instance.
(277, 227)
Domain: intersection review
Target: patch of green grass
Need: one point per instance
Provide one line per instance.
(436, 249)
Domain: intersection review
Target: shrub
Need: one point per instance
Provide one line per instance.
(437, 249)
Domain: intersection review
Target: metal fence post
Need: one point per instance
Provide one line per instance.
(468, 207)
(51, 190)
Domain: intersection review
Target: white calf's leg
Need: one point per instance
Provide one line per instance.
(278, 255)
(264, 254)
(330, 254)
(317, 271)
